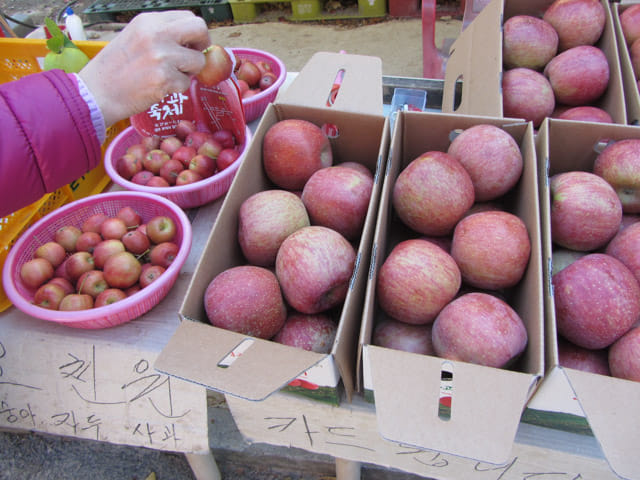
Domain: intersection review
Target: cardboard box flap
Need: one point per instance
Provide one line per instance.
(491, 400)
(245, 374)
(476, 60)
(356, 79)
(631, 94)
(613, 404)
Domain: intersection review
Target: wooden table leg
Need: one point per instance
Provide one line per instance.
(204, 465)
(347, 469)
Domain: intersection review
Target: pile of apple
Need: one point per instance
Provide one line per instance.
(187, 156)
(552, 66)
(630, 25)
(106, 259)
(253, 77)
(596, 262)
(442, 288)
(297, 239)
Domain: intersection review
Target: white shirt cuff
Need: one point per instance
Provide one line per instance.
(96, 115)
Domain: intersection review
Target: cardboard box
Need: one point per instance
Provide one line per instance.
(631, 94)
(197, 349)
(486, 403)
(476, 60)
(611, 406)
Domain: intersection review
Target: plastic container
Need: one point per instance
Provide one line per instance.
(73, 25)
(255, 106)
(75, 213)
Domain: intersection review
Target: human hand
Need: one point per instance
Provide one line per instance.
(156, 54)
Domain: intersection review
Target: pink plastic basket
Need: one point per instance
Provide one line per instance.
(185, 196)
(255, 106)
(75, 213)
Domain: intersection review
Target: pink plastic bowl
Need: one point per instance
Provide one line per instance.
(185, 196)
(148, 206)
(255, 106)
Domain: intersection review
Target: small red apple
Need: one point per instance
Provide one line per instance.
(226, 157)
(113, 228)
(49, 296)
(155, 159)
(76, 301)
(122, 270)
(109, 296)
(164, 254)
(67, 236)
(161, 228)
(150, 275)
(51, 251)
(136, 242)
(218, 66)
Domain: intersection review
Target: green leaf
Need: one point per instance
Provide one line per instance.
(59, 39)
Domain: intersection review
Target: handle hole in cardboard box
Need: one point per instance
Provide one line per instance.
(236, 353)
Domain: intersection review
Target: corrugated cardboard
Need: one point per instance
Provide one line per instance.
(196, 349)
(611, 405)
(631, 94)
(486, 402)
(476, 60)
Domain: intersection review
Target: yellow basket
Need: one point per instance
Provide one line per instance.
(21, 57)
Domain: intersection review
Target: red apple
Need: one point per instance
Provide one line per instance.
(150, 275)
(92, 283)
(338, 198)
(49, 296)
(203, 165)
(585, 210)
(265, 219)
(170, 170)
(246, 299)
(169, 145)
(432, 193)
(583, 359)
(113, 228)
(218, 66)
(136, 242)
(142, 178)
(196, 139)
(491, 157)
(491, 249)
(52, 251)
(155, 159)
(122, 270)
(109, 296)
(619, 165)
(634, 56)
(402, 336)
(36, 272)
(267, 80)
(67, 236)
(79, 263)
(416, 280)
(87, 241)
(314, 333)
(151, 142)
(161, 228)
(624, 356)
(157, 181)
(528, 42)
(314, 266)
(184, 128)
(527, 94)
(184, 154)
(578, 22)
(243, 87)
(630, 23)
(187, 177)
(210, 148)
(128, 165)
(226, 157)
(597, 300)
(249, 73)
(586, 113)
(578, 76)
(94, 222)
(292, 150)
(361, 167)
(137, 150)
(76, 301)
(164, 254)
(129, 216)
(479, 328)
(63, 283)
(105, 249)
(625, 246)
(224, 137)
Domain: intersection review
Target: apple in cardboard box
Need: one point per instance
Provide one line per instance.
(314, 266)
(597, 300)
(527, 94)
(479, 328)
(585, 210)
(265, 219)
(584, 113)
(416, 281)
(246, 299)
(491, 249)
(432, 193)
(571, 355)
(338, 197)
(528, 42)
(619, 165)
(292, 150)
(314, 333)
(491, 157)
(578, 76)
(630, 23)
(625, 246)
(624, 356)
(402, 336)
(578, 22)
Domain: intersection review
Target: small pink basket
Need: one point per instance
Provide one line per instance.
(75, 213)
(255, 106)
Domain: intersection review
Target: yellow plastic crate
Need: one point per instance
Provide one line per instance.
(20, 57)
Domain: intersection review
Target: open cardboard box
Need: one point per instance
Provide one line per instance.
(486, 403)
(631, 94)
(611, 405)
(476, 60)
(200, 352)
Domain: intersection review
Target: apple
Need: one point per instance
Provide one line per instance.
(583, 359)
(87, 241)
(416, 280)
(105, 249)
(265, 219)
(624, 356)
(585, 210)
(479, 328)
(314, 333)
(528, 42)
(625, 246)
(314, 266)
(491, 249)
(142, 178)
(157, 181)
(169, 145)
(187, 177)
(432, 193)
(491, 157)
(61, 271)
(226, 157)
(634, 54)
(51, 251)
(196, 139)
(93, 222)
(361, 167)
(109, 296)
(243, 87)
(136, 242)
(155, 159)
(630, 23)
(184, 128)
(203, 165)
(597, 300)
(338, 198)
(150, 142)
(67, 236)
(184, 154)
(224, 137)
(137, 150)
(578, 22)
(267, 80)
(129, 216)
(161, 228)
(76, 301)
(49, 296)
(292, 150)
(619, 165)
(527, 94)
(218, 66)
(128, 165)
(79, 263)
(402, 336)
(246, 299)
(562, 258)
(586, 113)
(211, 148)
(150, 275)
(122, 270)
(248, 72)
(170, 170)
(164, 254)
(92, 283)
(113, 228)
(578, 76)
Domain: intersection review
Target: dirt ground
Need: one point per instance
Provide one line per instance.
(397, 41)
